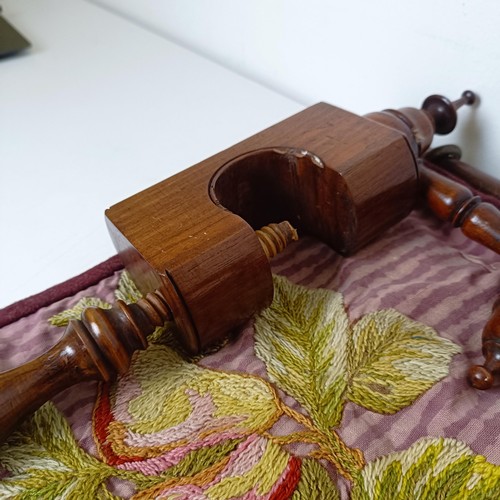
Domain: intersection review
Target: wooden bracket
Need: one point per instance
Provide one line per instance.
(332, 174)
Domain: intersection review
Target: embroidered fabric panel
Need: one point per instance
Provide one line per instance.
(352, 384)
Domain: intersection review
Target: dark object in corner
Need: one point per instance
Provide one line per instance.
(11, 41)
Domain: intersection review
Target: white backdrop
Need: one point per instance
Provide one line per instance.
(361, 55)
(95, 111)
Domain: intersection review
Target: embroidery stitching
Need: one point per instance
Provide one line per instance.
(174, 429)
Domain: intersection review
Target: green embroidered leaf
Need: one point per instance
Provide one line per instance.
(45, 461)
(259, 476)
(63, 318)
(303, 338)
(127, 289)
(394, 360)
(203, 458)
(314, 483)
(431, 468)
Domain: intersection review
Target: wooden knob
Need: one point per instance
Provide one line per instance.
(438, 115)
(483, 376)
(444, 112)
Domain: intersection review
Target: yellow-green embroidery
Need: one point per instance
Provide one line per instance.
(44, 461)
(303, 339)
(393, 360)
(383, 363)
(197, 402)
(175, 429)
(127, 289)
(431, 468)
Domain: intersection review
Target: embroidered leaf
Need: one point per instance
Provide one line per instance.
(166, 407)
(257, 468)
(303, 338)
(44, 460)
(314, 483)
(201, 459)
(63, 318)
(394, 360)
(127, 289)
(431, 468)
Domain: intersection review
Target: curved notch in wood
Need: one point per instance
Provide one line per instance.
(345, 179)
(341, 204)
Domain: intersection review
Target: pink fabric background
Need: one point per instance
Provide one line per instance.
(422, 267)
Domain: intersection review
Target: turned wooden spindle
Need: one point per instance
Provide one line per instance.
(455, 203)
(449, 200)
(99, 346)
(479, 221)
(438, 115)
(483, 376)
(96, 347)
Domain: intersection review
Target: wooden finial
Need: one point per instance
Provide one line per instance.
(438, 115)
(444, 112)
(483, 376)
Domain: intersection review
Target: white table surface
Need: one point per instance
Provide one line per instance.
(95, 111)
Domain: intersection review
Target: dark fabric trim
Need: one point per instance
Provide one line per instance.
(28, 306)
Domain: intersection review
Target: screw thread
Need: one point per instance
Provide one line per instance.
(274, 238)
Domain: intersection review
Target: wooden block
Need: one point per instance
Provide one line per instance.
(333, 174)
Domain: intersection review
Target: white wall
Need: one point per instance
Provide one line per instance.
(362, 55)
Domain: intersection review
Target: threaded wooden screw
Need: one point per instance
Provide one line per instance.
(275, 237)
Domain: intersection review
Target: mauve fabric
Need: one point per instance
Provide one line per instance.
(421, 267)
(434, 275)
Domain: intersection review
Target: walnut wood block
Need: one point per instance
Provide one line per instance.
(338, 176)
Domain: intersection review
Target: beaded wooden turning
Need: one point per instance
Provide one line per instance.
(190, 241)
